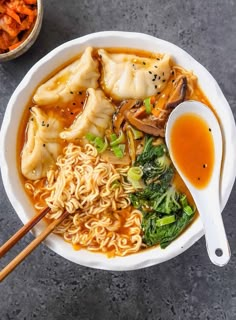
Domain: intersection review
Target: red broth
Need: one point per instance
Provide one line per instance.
(193, 149)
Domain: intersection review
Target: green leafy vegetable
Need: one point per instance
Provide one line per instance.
(165, 220)
(168, 201)
(154, 161)
(165, 234)
(150, 152)
(166, 212)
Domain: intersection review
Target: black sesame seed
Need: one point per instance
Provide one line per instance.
(72, 113)
(80, 92)
(71, 92)
(144, 62)
(150, 72)
(82, 102)
(158, 93)
(159, 77)
(209, 129)
(163, 73)
(155, 86)
(44, 145)
(47, 125)
(198, 178)
(155, 67)
(158, 59)
(204, 166)
(173, 80)
(172, 73)
(32, 119)
(74, 103)
(153, 79)
(164, 80)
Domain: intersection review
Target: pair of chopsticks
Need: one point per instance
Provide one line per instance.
(20, 234)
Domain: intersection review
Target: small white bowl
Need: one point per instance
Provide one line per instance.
(29, 41)
(51, 62)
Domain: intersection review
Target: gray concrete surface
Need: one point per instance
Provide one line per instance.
(188, 287)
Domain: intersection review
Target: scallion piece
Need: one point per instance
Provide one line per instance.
(135, 173)
(165, 220)
(100, 144)
(90, 137)
(119, 140)
(134, 176)
(119, 150)
(113, 137)
(148, 105)
(136, 133)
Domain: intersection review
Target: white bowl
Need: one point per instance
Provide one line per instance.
(51, 62)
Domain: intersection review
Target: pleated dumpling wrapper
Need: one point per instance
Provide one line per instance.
(78, 76)
(95, 118)
(127, 76)
(42, 145)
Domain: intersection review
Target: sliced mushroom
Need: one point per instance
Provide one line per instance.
(179, 93)
(144, 127)
(118, 117)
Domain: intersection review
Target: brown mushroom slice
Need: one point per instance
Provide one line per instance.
(118, 117)
(179, 93)
(142, 126)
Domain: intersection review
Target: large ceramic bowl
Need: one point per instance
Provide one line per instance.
(51, 62)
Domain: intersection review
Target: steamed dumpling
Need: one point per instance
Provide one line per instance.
(95, 118)
(127, 76)
(79, 75)
(42, 146)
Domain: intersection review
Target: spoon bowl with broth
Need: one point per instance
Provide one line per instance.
(194, 140)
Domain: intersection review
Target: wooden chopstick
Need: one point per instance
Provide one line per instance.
(21, 256)
(22, 232)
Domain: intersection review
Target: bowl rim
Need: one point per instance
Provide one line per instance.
(24, 46)
(141, 259)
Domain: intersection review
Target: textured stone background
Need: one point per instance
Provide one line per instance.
(188, 287)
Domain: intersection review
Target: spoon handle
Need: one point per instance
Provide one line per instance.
(216, 239)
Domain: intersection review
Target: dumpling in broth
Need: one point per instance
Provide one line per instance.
(42, 146)
(127, 76)
(94, 119)
(79, 75)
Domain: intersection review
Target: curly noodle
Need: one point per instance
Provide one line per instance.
(96, 194)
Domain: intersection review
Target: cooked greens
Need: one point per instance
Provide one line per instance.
(166, 212)
(165, 234)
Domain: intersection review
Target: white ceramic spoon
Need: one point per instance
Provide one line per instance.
(207, 199)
